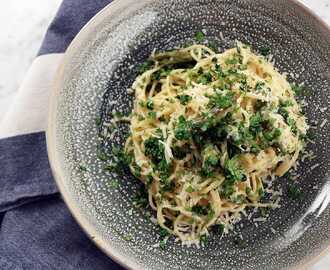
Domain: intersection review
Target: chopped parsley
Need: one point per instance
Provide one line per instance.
(221, 101)
(232, 170)
(219, 228)
(205, 78)
(311, 135)
(259, 86)
(265, 50)
(82, 168)
(298, 89)
(286, 103)
(163, 232)
(190, 189)
(232, 61)
(204, 239)
(98, 121)
(184, 99)
(140, 199)
(182, 131)
(294, 192)
(163, 72)
(114, 183)
(152, 114)
(123, 158)
(210, 160)
(141, 118)
(273, 135)
(199, 36)
(292, 125)
(162, 244)
(261, 192)
(128, 237)
(201, 209)
(154, 149)
(255, 123)
(149, 104)
(142, 103)
(214, 47)
(102, 155)
(145, 66)
(232, 174)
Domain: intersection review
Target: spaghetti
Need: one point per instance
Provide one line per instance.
(206, 131)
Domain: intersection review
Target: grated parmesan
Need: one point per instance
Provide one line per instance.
(323, 123)
(315, 166)
(260, 219)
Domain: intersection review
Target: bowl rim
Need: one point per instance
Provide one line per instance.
(75, 211)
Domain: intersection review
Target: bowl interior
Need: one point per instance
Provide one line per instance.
(101, 65)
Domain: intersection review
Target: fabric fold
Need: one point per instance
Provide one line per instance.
(44, 235)
(70, 18)
(29, 110)
(25, 172)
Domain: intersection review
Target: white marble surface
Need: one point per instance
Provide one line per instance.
(23, 24)
(22, 27)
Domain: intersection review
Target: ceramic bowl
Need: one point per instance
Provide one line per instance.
(101, 64)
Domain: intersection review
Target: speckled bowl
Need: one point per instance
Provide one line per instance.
(101, 64)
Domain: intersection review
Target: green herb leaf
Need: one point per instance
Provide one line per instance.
(145, 66)
(261, 192)
(292, 125)
(201, 209)
(298, 89)
(163, 232)
(152, 115)
(199, 36)
(232, 61)
(221, 101)
(123, 158)
(82, 168)
(219, 228)
(128, 237)
(142, 103)
(232, 170)
(154, 149)
(140, 199)
(255, 123)
(190, 189)
(182, 131)
(114, 184)
(184, 99)
(162, 244)
(141, 118)
(286, 103)
(205, 78)
(259, 86)
(98, 121)
(150, 104)
(294, 192)
(102, 156)
(265, 50)
(204, 239)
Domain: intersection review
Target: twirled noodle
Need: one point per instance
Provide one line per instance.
(206, 130)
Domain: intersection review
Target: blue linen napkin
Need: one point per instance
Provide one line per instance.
(36, 229)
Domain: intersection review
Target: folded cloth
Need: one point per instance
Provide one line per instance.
(36, 229)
